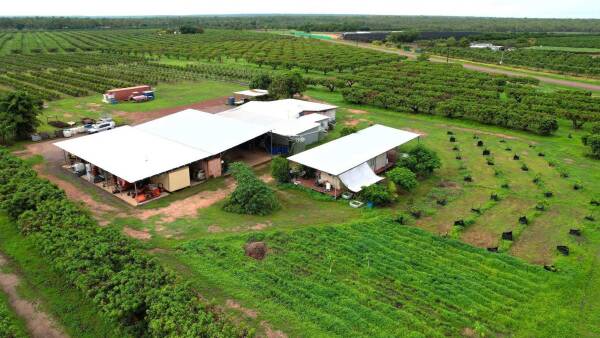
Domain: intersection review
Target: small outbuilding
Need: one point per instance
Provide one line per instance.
(353, 161)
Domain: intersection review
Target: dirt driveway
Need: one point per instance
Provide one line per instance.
(210, 106)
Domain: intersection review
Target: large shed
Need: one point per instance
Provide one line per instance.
(354, 161)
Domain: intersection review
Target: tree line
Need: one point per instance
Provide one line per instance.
(334, 23)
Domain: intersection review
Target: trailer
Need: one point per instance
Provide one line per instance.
(123, 94)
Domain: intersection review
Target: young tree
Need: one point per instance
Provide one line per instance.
(403, 177)
(23, 109)
(251, 195)
(348, 130)
(287, 85)
(280, 169)
(377, 194)
(260, 81)
(421, 161)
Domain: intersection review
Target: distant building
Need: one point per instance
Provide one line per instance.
(486, 45)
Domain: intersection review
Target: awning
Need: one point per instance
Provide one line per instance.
(358, 177)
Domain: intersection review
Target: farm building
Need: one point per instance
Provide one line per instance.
(293, 123)
(164, 155)
(185, 148)
(353, 161)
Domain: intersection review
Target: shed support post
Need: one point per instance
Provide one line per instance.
(135, 188)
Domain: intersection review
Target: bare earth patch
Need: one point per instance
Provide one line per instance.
(189, 206)
(358, 111)
(143, 235)
(232, 304)
(354, 122)
(213, 229)
(39, 324)
(272, 333)
(416, 131)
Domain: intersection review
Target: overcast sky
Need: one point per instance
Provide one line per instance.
(498, 8)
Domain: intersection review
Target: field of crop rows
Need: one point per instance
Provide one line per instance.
(451, 91)
(572, 63)
(261, 48)
(53, 76)
(372, 278)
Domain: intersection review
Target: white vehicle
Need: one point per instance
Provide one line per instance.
(101, 126)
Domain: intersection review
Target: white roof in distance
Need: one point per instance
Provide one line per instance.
(253, 92)
(211, 133)
(288, 108)
(131, 154)
(345, 153)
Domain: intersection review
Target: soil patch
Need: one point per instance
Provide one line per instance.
(213, 229)
(270, 333)
(358, 111)
(38, 323)
(354, 122)
(189, 206)
(232, 304)
(210, 106)
(143, 235)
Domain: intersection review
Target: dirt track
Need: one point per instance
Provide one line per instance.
(479, 68)
(38, 323)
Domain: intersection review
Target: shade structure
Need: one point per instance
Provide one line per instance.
(345, 153)
(358, 177)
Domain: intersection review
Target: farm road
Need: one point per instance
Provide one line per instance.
(39, 324)
(479, 68)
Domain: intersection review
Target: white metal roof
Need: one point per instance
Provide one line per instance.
(211, 133)
(281, 117)
(345, 153)
(131, 154)
(253, 92)
(288, 108)
(314, 117)
(358, 177)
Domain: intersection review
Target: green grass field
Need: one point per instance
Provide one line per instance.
(168, 95)
(570, 297)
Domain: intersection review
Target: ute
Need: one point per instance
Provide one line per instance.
(104, 124)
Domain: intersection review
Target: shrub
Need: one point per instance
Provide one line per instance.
(251, 195)
(348, 130)
(403, 177)
(280, 169)
(377, 194)
(421, 161)
(260, 81)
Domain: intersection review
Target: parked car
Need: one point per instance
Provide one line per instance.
(102, 126)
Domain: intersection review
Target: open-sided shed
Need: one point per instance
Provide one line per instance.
(353, 161)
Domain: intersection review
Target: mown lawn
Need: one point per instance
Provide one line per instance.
(168, 95)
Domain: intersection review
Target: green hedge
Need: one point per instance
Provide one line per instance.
(127, 285)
